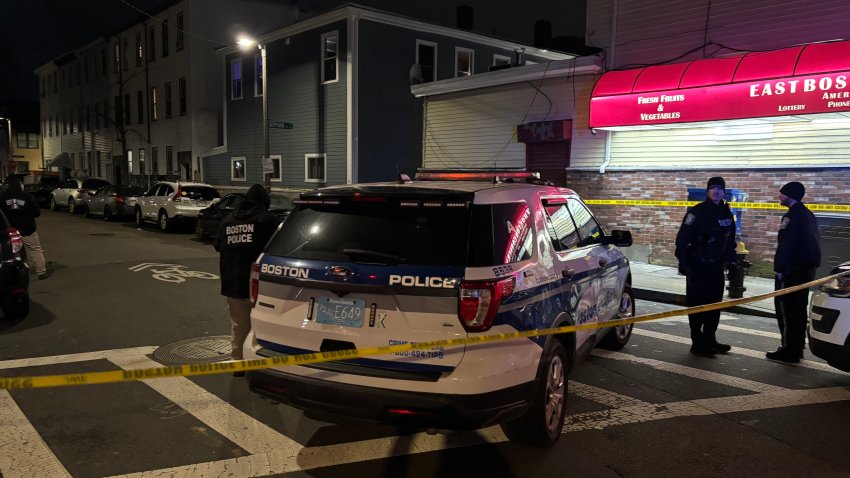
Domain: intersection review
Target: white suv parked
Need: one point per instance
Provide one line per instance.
(168, 202)
(370, 265)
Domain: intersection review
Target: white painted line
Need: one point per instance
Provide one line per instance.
(81, 357)
(232, 423)
(738, 350)
(345, 453)
(22, 450)
(731, 328)
(700, 374)
(605, 397)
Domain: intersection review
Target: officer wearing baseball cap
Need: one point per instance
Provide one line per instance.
(705, 245)
(797, 258)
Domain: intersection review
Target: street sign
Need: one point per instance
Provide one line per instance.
(268, 167)
(280, 125)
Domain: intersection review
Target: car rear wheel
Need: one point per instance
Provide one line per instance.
(199, 230)
(618, 336)
(17, 308)
(140, 220)
(72, 206)
(53, 205)
(543, 422)
(86, 211)
(164, 224)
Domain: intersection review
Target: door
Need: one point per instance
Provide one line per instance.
(550, 159)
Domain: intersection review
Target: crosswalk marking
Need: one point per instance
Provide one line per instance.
(81, 357)
(22, 450)
(602, 396)
(730, 328)
(229, 421)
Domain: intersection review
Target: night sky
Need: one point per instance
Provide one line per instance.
(32, 32)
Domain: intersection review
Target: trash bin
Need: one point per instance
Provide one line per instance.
(732, 196)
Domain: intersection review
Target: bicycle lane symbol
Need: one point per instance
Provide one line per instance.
(171, 272)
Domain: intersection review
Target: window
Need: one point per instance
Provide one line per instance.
(426, 58)
(155, 160)
(130, 161)
(97, 163)
(141, 160)
(167, 99)
(154, 114)
(236, 79)
(276, 164)
(181, 92)
(27, 140)
(169, 160)
(561, 228)
(329, 57)
(258, 75)
(464, 61)
(164, 38)
(127, 108)
(151, 44)
(588, 229)
(140, 106)
(315, 168)
(124, 55)
(179, 33)
(116, 57)
(237, 169)
(501, 60)
(139, 50)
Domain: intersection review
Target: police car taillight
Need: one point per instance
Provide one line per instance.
(255, 282)
(480, 300)
(15, 240)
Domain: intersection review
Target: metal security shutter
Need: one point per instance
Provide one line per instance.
(550, 159)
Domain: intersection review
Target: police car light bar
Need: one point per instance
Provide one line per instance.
(479, 175)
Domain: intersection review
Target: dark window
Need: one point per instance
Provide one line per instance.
(169, 160)
(588, 229)
(125, 55)
(116, 57)
(330, 48)
(426, 56)
(199, 192)
(139, 50)
(236, 78)
(140, 106)
(151, 44)
(129, 190)
(561, 228)
(179, 33)
(164, 38)
(167, 99)
(155, 160)
(94, 183)
(181, 87)
(127, 108)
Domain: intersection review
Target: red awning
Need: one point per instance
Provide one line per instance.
(799, 80)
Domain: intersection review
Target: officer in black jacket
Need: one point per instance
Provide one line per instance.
(21, 209)
(241, 238)
(705, 245)
(797, 257)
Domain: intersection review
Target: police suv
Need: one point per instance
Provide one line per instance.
(448, 255)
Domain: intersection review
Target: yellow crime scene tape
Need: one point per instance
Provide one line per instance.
(733, 204)
(116, 376)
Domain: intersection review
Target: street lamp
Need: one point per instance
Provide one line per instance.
(245, 44)
(9, 156)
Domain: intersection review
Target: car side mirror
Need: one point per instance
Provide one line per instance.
(618, 238)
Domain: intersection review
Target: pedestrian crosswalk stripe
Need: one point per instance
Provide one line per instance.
(22, 450)
(80, 357)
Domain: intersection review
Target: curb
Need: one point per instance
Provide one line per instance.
(667, 297)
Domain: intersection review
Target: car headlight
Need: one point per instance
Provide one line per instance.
(839, 287)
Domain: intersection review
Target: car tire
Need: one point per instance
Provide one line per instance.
(86, 211)
(72, 206)
(17, 308)
(199, 231)
(542, 424)
(164, 223)
(53, 205)
(140, 220)
(617, 337)
(107, 214)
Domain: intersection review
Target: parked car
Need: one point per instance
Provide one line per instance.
(209, 218)
(169, 202)
(829, 324)
(14, 273)
(111, 202)
(74, 192)
(370, 265)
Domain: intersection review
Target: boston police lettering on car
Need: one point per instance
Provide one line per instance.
(445, 256)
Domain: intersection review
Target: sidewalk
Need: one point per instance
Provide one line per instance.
(664, 284)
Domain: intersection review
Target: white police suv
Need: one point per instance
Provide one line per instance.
(829, 327)
(448, 255)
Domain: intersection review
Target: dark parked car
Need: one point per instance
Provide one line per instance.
(39, 186)
(209, 218)
(112, 202)
(14, 273)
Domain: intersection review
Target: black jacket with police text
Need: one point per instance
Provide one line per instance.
(241, 238)
(706, 238)
(20, 208)
(798, 247)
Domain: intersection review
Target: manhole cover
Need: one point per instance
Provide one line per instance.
(199, 350)
(101, 234)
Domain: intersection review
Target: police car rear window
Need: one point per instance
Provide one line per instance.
(384, 233)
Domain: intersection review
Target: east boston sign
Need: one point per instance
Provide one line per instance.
(795, 95)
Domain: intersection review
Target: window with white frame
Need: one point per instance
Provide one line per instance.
(237, 168)
(464, 61)
(315, 168)
(180, 26)
(501, 60)
(330, 57)
(236, 78)
(277, 162)
(258, 75)
(426, 58)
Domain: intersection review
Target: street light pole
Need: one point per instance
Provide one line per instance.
(9, 156)
(267, 177)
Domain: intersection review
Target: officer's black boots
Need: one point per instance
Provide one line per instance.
(703, 350)
(785, 355)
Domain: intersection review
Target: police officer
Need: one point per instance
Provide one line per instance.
(704, 245)
(241, 238)
(797, 257)
(21, 209)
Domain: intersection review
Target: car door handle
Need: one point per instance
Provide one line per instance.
(602, 263)
(568, 273)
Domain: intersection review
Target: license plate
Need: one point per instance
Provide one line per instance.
(335, 311)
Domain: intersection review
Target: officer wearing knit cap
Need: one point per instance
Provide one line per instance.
(705, 245)
(797, 258)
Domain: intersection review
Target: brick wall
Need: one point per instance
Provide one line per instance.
(654, 228)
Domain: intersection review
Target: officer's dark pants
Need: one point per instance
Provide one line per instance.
(704, 286)
(792, 309)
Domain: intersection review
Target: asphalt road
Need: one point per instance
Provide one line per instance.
(650, 410)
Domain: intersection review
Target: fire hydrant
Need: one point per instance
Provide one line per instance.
(736, 273)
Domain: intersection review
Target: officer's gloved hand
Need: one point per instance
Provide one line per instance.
(683, 269)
